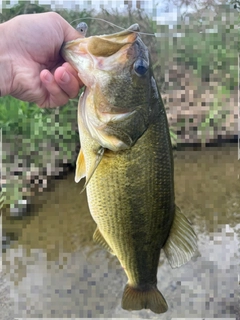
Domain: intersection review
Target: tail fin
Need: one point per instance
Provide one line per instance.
(137, 299)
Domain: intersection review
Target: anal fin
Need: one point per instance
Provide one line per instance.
(99, 239)
(182, 241)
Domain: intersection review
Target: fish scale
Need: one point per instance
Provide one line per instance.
(132, 206)
(126, 157)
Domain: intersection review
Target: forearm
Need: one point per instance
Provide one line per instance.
(5, 61)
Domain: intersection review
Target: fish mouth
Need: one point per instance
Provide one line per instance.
(104, 52)
(101, 46)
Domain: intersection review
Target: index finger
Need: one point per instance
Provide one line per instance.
(73, 71)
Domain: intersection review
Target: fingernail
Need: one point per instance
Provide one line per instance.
(65, 77)
(48, 77)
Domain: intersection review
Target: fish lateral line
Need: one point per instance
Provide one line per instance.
(112, 24)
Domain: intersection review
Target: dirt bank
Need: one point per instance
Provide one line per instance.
(200, 112)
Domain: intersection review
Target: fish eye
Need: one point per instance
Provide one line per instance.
(140, 67)
(82, 28)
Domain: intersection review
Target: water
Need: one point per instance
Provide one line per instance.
(54, 270)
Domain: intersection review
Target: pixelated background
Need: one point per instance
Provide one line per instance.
(51, 268)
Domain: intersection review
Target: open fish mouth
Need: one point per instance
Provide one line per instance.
(96, 48)
(105, 45)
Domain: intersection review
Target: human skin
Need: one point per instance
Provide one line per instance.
(31, 67)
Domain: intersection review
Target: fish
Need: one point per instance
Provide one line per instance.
(126, 159)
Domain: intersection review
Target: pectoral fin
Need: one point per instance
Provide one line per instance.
(80, 167)
(94, 166)
(182, 241)
(98, 238)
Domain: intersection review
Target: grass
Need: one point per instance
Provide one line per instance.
(32, 138)
(28, 121)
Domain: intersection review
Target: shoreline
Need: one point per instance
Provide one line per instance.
(38, 179)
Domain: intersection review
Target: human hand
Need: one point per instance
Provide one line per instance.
(37, 70)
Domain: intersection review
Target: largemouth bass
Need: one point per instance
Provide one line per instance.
(126, 157)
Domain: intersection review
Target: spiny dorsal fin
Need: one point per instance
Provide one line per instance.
(182, 241)
(94, 166)
(80, 167)
(99, 239)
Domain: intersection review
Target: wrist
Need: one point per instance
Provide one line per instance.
(5, 62)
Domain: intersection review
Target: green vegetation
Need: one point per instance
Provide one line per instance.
(21, 120)
(208, 45)
(32, 136)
